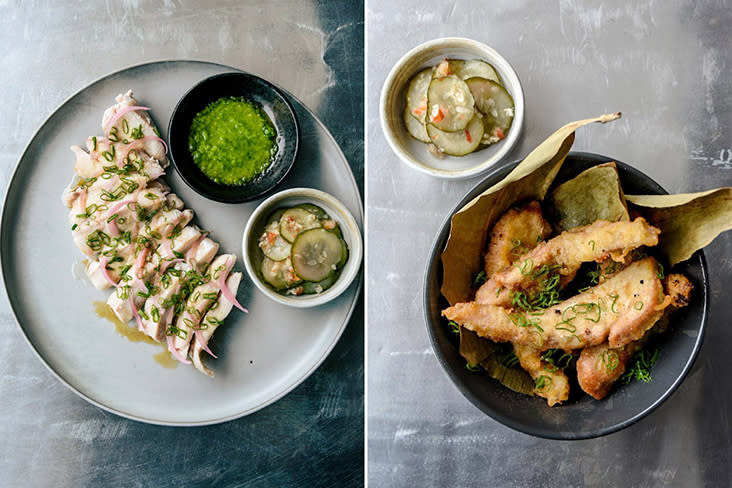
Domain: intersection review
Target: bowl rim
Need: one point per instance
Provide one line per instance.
(280, 94)
(511, 78)
(434, 264)
(349, 227)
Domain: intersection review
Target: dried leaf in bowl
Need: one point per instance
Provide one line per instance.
(595, 194)
(688, 221)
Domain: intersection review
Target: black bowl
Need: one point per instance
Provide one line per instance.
(255, 89)
(581, 417)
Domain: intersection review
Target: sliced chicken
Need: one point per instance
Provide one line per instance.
(141, 272)
(566, 253)
(200, 299)
(137, 235)
(135, 120)
(620, 310)
(599, 367)
(550, 382)
(211, 321)
(169, 288)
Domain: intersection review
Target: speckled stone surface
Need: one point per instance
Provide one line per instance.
(313, 436)
(667, 66)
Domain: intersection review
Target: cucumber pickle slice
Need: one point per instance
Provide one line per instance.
(417, 94)
(458, 143)
(315, 254)
(477, 68)
(303, 249)
(279, 274)
(450, 105)
(496, 104)
(295, 220)
(457, 91)
(314, 209)
(415, 128)
(272, 244)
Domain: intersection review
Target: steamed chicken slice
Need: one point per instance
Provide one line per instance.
(171, 286)
(198, 302)
(566, 253)
(124, 257)
(125, 305)
(618, 310)
(97, 218)
(211, 321)
(134, 119)
(99, 156)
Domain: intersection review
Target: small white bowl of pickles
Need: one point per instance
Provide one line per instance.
(302, 247)
(452, 108)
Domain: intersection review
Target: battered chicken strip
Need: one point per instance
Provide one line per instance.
(620, 310)
(566, 253)
(599, 367)
(515, 233)
(518, 231)
(551, 384)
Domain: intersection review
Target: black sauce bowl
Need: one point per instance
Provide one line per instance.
(254, 89)
(581, 417)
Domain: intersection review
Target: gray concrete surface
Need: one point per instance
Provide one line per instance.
(668, 67)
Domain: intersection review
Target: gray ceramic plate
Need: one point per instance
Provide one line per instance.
(581, 417)
(263, 355)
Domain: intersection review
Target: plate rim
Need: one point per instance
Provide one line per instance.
(432, 266)
(149, 420)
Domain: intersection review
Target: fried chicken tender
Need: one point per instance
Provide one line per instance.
(515, 233)
(620, 310)
(518, 231)
(566, 253)
(599, 367)
(554, 386)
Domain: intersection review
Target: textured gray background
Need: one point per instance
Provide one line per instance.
(668, 67)
(50, 437)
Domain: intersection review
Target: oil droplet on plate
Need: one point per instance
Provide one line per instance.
(163, 358)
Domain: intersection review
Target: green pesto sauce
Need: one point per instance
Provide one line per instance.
(232, 140)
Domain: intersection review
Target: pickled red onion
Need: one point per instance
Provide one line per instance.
(140, 142)
(174, 351)
(103, 261)
(229, 296)
(221, 284)
(113, 230)
(191, 253)
(82, 200)
(204, 346)
(134, 312)
(119, 205)
(137, 267)
(121, 113)
(165, 264)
